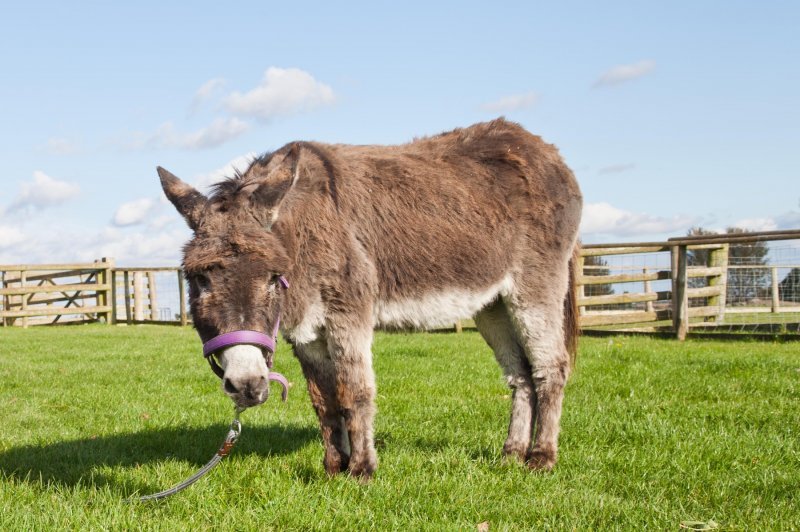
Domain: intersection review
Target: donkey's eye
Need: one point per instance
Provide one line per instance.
(202, 282)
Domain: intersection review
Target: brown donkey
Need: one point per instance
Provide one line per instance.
(480, 221)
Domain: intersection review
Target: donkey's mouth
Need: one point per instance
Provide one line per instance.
(254, 392)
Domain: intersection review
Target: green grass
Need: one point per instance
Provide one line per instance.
(654, 433)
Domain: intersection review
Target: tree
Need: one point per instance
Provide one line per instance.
(789, 288)
(745, 284)
(596, 266)
(698, 257)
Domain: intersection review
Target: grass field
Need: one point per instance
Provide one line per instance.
(655, 434)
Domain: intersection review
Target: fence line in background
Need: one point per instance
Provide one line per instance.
(35, 294)
(145, 298)
(697, 295)
(644, 286)
(48, 294)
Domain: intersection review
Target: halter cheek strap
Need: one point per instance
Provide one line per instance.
(246, 337)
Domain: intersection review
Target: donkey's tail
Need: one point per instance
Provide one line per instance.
(571, 315)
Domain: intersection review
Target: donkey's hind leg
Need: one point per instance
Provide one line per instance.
(538, 317)
(321, 379)
(495, 326)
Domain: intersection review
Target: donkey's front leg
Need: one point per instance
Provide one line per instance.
(350, 349)
(320, 376)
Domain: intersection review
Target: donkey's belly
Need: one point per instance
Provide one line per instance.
(440, 308)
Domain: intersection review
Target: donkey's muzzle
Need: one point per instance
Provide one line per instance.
(247, 392)
(254, 390)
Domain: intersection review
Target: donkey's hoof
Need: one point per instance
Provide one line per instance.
(513, 454)
(363, 470)
(540, 460)
(335, 464)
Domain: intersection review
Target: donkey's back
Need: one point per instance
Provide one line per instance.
(445, 222)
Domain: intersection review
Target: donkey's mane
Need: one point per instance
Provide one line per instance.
(230, 186)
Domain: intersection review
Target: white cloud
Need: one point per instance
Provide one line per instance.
(240, 164)
(283, 91)
(217, 133)
(78, 244)
(134, 212)
(160, 222)
(605, 219)
(61, 146)
(43, 191)
(622, 73)
(512, 103)
(756, 224)
(616, 168)
(159, 248)
(10, 236)
(788, 220)
(206, 91)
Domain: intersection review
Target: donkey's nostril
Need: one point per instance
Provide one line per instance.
(229, 387)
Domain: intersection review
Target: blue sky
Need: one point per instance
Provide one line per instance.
(671, 114)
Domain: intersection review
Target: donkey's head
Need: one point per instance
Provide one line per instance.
(233, 265)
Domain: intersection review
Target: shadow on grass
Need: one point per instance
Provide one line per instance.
(81, 462)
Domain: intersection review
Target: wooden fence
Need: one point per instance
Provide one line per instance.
(55, 293)
(140, 295)
(661, 297)
(47, 294)
(681, 306)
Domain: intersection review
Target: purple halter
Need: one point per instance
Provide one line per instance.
(256, 338)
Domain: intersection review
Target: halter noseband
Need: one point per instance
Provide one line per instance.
(245, 337)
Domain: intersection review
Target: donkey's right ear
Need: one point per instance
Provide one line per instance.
(189, 202)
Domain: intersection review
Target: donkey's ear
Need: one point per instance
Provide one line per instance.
(189, 202)
(268, 193)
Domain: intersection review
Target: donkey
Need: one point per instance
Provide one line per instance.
(477, 222)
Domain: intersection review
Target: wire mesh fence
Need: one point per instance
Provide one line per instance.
(149, 295)
(749, 284)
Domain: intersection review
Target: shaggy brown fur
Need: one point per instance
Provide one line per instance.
(481, 220)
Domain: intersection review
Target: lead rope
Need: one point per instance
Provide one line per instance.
(230, 440)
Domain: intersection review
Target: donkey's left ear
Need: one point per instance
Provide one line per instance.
(268, 193)
(189, 202)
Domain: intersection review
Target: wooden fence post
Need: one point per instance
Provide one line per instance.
(103, 295)
(680, 299)
(648, 289)
(22, 278)
(138, 296)
(776, 299)
(127, 281)
(5, 297)
(719, 258)
(182, 297)
(580, 286)
(109, 291)
(112, 293)
(152, 295)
